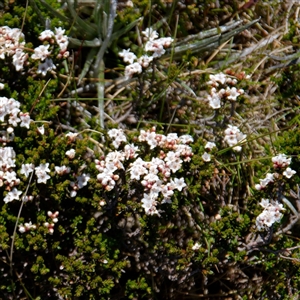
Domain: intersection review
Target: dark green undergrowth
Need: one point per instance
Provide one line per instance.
(204, 243)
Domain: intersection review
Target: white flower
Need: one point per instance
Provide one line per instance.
(264, 203)
(179, 184)
(25, 120)
(42, 177)
(61, 39)
(46, 66)
(218, 78)
(41, 52)
(186, 139)
(281, 161)
(10, 176)
(62, 170)
(72, 136)
(145, 60)
(71, 153)
(41, 130)
(118, 136)
(150, 34)
(15, 194)
(214, 101)
(83, 180)
(210, 145)
(10, 130)
(46, 34)
(149, 204)
(206, 157)
(270, 215)
(130, 151)
(234, 136)
(155, 46)
(42, 168)
(264, 182)
(12, 195)
(26, 169)
(232, 93)
(22, 229)
(19, 59)
(288, 173)
(196, 246)
(128, 56)
(132, 69)
(26, 227)
(73, 193)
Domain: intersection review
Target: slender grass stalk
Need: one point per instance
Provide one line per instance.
(15, 231)
(99, 64)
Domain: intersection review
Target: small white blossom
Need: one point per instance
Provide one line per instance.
(72, 136)
(62, 170)
(41, 130)
(26, 169)
(196, 246)
(25, 120)
(232, 93)
(41, 52)
(288, 173)
(71, 153)
(128, 56)
(217, 78)
(132, 69)
(145, 60)
(210, 145)
(179, 184)
(281, 161)
(46, 34)
(46, 66)
(206, 157)
(150, 34)
(83, 180)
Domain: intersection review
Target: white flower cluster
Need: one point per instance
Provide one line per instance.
(10, 117)
(10, 112)
(270, 215)
(118, 136)
(26, 227)
(41, 171)
(50, 226)
(12, 43)
(155, 175)
(234, 136)
(54, 219)
(280, 161)
(8, 176)
(265, 181)
(42, 52)
(153, 44)
(81, 179)
(222, 88)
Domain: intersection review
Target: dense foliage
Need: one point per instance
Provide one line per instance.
(149, 150)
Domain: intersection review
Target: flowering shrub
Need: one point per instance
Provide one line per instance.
(186, 193)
